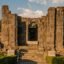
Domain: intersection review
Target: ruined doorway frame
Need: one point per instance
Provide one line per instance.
(32, 33)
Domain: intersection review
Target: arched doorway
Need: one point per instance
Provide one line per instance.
(32, 32)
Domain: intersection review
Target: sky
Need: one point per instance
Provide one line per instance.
(30, 8)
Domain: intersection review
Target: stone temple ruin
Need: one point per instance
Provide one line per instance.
(35, 37)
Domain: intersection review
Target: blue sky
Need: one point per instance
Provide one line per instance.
(31, 8)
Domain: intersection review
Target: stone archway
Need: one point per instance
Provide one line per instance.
(32, 32)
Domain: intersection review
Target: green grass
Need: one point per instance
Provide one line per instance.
(55, 60)
(7, 59)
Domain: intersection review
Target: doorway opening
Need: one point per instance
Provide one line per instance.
(21, 33)
(32, 32)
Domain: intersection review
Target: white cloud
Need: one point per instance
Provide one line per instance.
(19, 8)
(30, 13)
(46, 1)
(39, 1)
(57, 1)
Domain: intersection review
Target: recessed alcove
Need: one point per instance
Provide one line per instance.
(32, 33)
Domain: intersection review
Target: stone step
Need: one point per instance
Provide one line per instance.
(34, 57)
(31, 56)
(31, 51)
(31, 47)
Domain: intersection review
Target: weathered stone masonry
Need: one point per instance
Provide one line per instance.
(40, 37)
(8, 30)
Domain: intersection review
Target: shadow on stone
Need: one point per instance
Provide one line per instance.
(25, 61)
(21, 32)
(1, 45)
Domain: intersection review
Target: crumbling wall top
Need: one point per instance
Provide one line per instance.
(5, 10)
(51, 8)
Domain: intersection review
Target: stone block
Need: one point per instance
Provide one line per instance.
(10, 52)
(51, 53)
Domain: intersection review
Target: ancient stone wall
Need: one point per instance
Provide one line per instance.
(8, 29)
(51, 28)
(59, 28)
(14, 30)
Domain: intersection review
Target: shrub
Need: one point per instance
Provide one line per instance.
(55, 60)
(7, 59)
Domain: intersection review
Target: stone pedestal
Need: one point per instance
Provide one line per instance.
(10, 52)
(51, 53)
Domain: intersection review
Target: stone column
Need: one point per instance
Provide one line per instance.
(43, 31)
(12, 30)
(8, 29)
(51, 28)
(4, 26)
(4, 32)
(59, 29)
(39, 33)
(27, 32)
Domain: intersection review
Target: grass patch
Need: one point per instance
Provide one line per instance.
(7, 59)
(55, 60)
